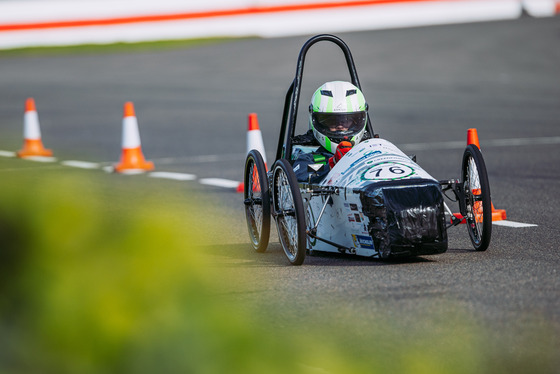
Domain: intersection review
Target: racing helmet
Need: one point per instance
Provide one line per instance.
(338, 111)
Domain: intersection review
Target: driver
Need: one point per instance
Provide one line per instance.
(337, 121)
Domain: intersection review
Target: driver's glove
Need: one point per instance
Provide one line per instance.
(343, 147)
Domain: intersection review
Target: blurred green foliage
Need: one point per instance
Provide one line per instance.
(92, 284)
(99, 277)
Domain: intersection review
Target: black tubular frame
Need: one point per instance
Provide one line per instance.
(291, 102)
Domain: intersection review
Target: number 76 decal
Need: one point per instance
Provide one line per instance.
(388, 171)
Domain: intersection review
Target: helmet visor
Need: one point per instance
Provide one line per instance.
(339, 125)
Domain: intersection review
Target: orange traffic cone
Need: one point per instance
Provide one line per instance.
(254, 136)
(498, 214)
(254, 141)
(132, 158)
(32, 143)
(472, 137)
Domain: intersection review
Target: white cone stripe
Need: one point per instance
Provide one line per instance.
(31, 128)
(255, 141)
(130, 134)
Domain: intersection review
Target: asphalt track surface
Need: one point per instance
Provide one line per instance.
(425, 86)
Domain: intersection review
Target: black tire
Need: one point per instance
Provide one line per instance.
(477, 198)
(256, 195)
(288, 212)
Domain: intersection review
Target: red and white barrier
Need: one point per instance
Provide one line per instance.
(61, 22)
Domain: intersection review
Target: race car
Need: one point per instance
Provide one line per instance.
(375, 202)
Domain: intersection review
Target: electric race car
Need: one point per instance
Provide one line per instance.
(375, 202)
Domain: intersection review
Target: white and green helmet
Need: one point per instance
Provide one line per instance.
(338, 111)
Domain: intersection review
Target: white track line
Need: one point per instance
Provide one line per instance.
(111, 169)
(81, 164)
(40, 158)
(174, 176)
(435, 145)
(507, 223)
(513, 224)
(524, 141)
(7, 154)
(200, 159)
(219, 182)
(484, 143)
